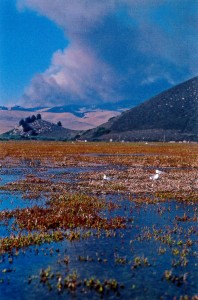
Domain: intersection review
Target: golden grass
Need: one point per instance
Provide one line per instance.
(162, 154)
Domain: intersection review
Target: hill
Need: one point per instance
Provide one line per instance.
(39, 129)
(72, 117)
(171, 115)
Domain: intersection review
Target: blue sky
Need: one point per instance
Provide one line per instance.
(27, 42)
(60, 52)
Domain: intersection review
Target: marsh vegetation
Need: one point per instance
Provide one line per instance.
(68, 231)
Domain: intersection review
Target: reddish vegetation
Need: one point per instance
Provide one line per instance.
(65, 212)
(76, 206)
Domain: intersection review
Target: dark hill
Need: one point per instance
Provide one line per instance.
(171, 115)
(40, 129)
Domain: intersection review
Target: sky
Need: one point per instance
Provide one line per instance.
(88, 52)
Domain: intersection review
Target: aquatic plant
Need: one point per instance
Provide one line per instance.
(21, 241)
(176, 279)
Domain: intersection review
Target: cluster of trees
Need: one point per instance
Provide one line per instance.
(25, 123)
(29, 119)
(59, 123)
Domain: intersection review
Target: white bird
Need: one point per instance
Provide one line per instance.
(154, 177)
(159, 172)
(105, 177)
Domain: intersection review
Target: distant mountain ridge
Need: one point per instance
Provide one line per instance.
(74, 109)
(171, 115)
(73, 117)
(20, 108)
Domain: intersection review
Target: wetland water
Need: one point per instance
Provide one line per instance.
(152, 256)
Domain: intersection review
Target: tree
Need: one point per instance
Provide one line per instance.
(33, 118)
(59, 123)
(28, 120)
(26, 127)
(38, 116)
(34, 133)
(21, 122)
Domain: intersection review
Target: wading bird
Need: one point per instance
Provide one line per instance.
(159, 172)
(105, 177)
(154, 177)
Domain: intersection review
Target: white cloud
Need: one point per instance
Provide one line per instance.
(110, 54)
(74, 75)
